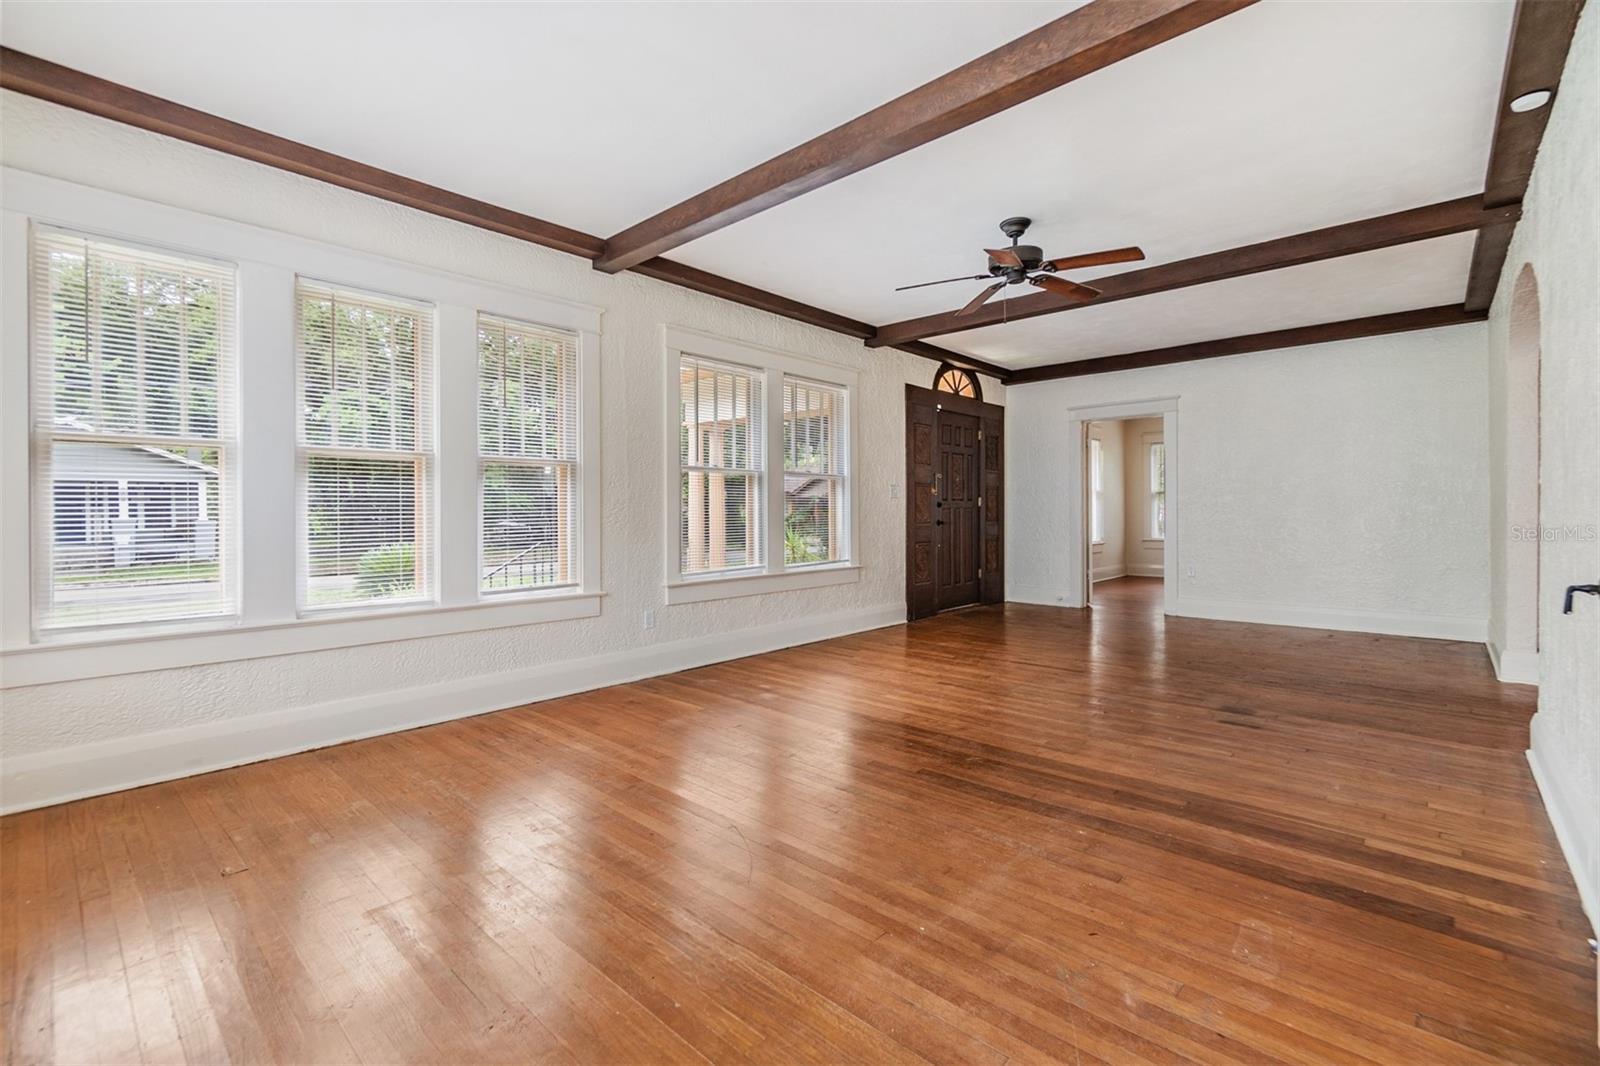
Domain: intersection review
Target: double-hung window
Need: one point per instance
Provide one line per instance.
(1097, 493)
(722, 430)
(134, 430)
(759, 475)
(527, 455)
(1156, 472)
(366, 451)
(813, 471)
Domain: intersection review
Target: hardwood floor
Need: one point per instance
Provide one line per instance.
(1014, 833)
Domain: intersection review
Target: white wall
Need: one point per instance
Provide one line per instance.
(1141, 556)
(1342, 485)
(1559, 236)
(1106, 557)
(91, 735)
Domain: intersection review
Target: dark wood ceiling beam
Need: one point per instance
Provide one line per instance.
(1350, 238)
(1082, 42)
(714, 285)
(1349, 329)
(40, 78)
(37, 77)
(1541, 33)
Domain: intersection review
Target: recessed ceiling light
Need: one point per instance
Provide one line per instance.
(1531, 101)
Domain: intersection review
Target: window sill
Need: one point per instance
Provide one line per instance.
(700, 590)
(1155, 540)
(105, 656)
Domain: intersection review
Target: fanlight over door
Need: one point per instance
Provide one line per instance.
(953, 379)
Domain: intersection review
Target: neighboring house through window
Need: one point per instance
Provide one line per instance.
(133, 386)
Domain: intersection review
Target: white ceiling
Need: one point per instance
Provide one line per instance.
(1281, 118)
(593, 115)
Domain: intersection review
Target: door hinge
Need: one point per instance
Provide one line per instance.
(980, 571)
(980, 434)
(980, 501)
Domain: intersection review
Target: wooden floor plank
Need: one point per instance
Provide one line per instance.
(1012, 834)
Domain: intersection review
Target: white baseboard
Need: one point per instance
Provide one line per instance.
(1439, 627)
(1513, 667)
(1146, 570)
(1108, 572)
(1036, 594)
(1575, 826)
(51, 777)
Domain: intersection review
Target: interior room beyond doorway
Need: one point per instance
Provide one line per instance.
(1127, 498)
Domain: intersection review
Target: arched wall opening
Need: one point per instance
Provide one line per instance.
(1520, 572)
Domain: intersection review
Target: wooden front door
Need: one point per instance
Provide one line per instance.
(958, 556)
(955, 552)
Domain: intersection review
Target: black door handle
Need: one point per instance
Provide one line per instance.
(1566, 604)
(940, 522)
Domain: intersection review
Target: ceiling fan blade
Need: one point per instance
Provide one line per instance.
(946, 281)
(982, 297)
(1062, 287)
(1089, 259)
(1005, 257)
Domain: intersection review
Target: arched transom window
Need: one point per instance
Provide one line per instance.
(954, 379)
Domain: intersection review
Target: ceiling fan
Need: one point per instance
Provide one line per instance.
(1026, 262)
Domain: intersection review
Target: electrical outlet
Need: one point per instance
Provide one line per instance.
(649, 619)
(1188, 571)
(894, 490)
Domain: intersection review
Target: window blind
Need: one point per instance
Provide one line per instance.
(133, 368)
(720, 447)
(528, 455)
(366, 373)
(813, 472)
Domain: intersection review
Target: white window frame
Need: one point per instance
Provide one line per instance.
(772, 575)
(843, 478)
(41, 496)
(1150, 440)
(425, 449)
(1097, 492)
(268, 622)
(580, 549)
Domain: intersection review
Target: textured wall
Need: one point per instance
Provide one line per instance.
(1348, 477)
(1559, 235)
(50, 140)
(1514, 467)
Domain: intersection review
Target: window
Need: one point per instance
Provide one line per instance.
(366, 446)
(134, 358)
(1097, 507)
(527, 455)
(721, 415)
(1156, 465)
(954, 380)
(813, 471)
(759, 485)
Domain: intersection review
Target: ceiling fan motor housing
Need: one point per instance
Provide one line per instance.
(1030, 254)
